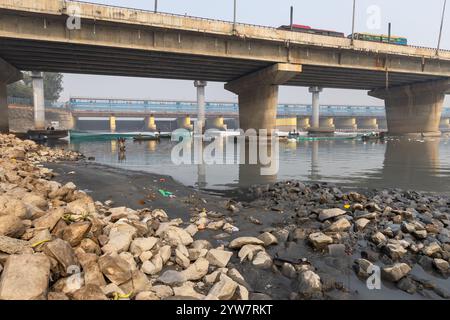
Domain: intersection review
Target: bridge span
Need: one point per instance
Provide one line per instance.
(253, 61)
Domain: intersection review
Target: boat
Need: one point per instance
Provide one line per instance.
(146, 138)
(373, 136)
(327, 138)
(100, 135)
(44, 135)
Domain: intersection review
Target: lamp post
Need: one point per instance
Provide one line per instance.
(156, 6)
(353, 21)
(234, 15)
(442, 25)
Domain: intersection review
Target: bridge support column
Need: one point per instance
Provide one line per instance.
(112, 124)
(217, 123)
(326, 123)
(414, 109)
(287, 124)
(184, 123)
(150, 123)
(8, 74)
(38, 100)
(445, 124)
(303, 123)
(72, 125)
(368, 123)
(315, 106)
(258, 95)
(200, 85)
(346, 123)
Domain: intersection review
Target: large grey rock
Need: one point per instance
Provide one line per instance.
(396, 272)
(197, 270)
(11, 226)
(116, 269)
(330, 213)
(219, 258)
(25, 277)
(172, 277)
(242, 241)
(320, 240)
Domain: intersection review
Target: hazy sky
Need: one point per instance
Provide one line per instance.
(418, 20)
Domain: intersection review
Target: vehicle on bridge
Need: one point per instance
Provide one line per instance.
(308, 29)
(380, 38)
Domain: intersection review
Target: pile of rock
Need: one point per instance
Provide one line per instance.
(391, 228)
(57, 243)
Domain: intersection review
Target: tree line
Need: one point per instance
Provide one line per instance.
(53, 86)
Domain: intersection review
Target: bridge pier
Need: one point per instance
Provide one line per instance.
(414, 109)
(184, 123)
(217, 123)
(258, 95)
(287, 124)
(38, 100)
(315, 106)
(445, 124)
(303, 123)
(327, 123)
(201, 120)
(150, 123)
(346, 123)
(112, 123)
(8, 74)
(368, 123)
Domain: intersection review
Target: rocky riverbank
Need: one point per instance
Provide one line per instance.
(78, 230)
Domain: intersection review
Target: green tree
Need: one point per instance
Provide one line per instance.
(53, 86)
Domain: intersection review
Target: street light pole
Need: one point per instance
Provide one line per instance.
(234, 15)
(353, 21)
(442, 25)
(156, 6)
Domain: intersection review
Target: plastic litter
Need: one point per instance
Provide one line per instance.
(166, 194)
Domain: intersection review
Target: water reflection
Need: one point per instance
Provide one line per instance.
(408, 164)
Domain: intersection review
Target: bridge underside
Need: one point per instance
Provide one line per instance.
(87, 59)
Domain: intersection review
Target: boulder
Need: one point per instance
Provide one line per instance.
(395, 251)
(75, 232)
(441, 265)
(379, 238)
(219, 258)
(223, 290)
(116, 269)
(268, 239)
(93, 274)
(187, 291)
(175, 236)
(13, 207)
(362, 267)
(339, 225)
(242, 241)
(62, 252)
(25, 277)
(120, 237)
(172, 277)
(140, 245)
(320, 240)
(89, 292)
(396, 272)
(12, 245)
(361, 224)
(49, 220)
(309, 284)
(330, 213)
(196, 270)
(249, 251)
(432, 249)
(11, 226)
(262, 260)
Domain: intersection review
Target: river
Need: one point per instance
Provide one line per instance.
(416, 164)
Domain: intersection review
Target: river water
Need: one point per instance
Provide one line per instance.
(422, 165)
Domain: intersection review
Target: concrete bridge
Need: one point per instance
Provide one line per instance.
(253, 61)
